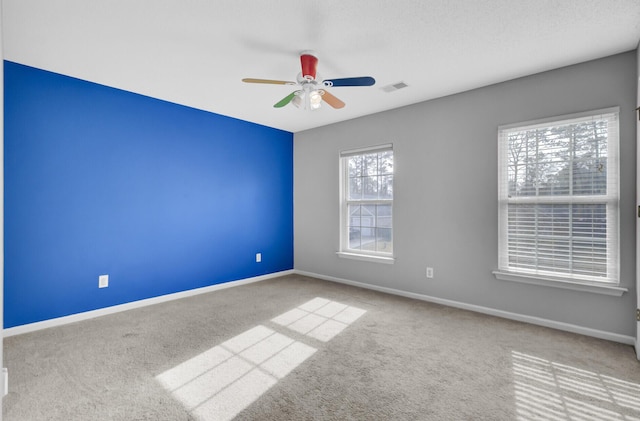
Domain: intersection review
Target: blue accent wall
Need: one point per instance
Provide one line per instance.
(163, 198)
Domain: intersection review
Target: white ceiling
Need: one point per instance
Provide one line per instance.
(195, 53)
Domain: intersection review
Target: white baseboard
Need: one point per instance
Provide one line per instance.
(32, 327)
(59, 321)
(615, 337)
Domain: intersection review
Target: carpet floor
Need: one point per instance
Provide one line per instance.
(298, 348)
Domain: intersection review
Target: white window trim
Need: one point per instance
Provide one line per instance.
(366, 257)
(343, 251)
(536, 278)
(564, 283)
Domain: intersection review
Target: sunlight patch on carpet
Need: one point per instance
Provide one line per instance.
(222, 381)
(546, 390)
(319, 318)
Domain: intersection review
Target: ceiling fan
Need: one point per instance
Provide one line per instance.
(312, 87)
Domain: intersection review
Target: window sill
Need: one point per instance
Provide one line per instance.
(558, 283)
(366, 257)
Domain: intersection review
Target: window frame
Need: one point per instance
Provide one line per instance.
(344, 251)
(611, 284)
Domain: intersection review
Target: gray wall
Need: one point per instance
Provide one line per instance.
(446, 213)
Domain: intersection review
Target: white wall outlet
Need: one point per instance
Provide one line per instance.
(429, 273)
(103, 281)
(258, 257)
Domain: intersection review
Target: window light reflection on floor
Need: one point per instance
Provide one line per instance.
(546, 390)
(219, 383)
(222, 381)
(319, 318)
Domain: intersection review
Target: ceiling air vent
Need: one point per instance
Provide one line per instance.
(394, 87)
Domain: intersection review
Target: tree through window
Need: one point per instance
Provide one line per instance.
(367, 201)
(559, 198)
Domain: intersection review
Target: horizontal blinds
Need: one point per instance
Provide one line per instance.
(558, 190)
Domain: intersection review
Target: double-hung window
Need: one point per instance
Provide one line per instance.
(366, 227)
(558, 198)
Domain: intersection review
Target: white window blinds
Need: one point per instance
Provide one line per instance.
(558, 197)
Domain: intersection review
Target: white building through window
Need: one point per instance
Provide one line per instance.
(558, 198)
(367, 202)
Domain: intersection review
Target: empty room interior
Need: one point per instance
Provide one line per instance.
(306, 210)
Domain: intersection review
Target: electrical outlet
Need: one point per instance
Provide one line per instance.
(429, 273)
(103, 281)
(258, 257)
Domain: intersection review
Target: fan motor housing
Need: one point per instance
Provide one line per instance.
(309, 66)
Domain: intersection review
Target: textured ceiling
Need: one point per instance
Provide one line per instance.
(195, 53)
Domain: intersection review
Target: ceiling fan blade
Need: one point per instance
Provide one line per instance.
(269, 81)
(284, 101)
(332, 100)
(351, 81)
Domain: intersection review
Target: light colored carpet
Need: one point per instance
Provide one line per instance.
(297, 348)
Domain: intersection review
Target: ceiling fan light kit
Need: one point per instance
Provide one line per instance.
(311, 100)
(313, 90)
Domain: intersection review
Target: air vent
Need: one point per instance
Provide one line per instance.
(394, 87)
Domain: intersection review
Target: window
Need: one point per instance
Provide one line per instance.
(558, 198)
(367, 203)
